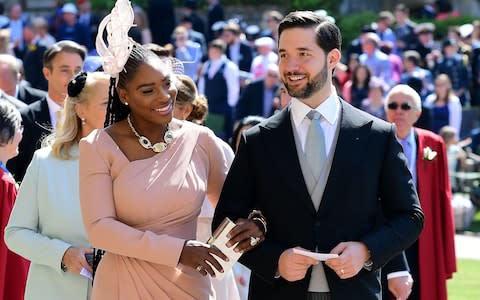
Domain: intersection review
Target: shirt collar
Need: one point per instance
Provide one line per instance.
(328, 109)
(53, 107)
(410, 138)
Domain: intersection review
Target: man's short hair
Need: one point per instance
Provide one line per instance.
(218, 44)
(62, 46)
(328, 35)
(12, 62)
(405, 89)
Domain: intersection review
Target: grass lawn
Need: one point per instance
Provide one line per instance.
(465, 284)
(475, 226)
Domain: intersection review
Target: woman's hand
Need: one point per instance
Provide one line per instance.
(247, 233)
(198, 256)
(74, 259)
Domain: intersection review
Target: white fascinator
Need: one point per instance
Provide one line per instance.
(115, 53)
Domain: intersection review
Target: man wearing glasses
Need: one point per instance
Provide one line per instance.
(432, 257)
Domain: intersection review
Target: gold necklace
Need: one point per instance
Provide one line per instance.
(145, 142)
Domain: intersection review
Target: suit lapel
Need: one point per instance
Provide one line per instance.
(352, 137)
(42, 115)
(283, 150)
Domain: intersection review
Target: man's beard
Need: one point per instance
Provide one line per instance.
(313, 86)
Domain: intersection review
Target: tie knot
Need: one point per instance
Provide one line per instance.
(313, 115)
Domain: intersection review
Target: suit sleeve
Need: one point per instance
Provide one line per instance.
(397, 264)
(237, 202)
(99, 216)
(18, 165)
(400, 205)
(22, 234)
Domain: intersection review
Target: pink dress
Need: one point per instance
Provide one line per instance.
(142, 212)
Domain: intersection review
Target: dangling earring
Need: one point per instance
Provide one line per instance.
(83, 121)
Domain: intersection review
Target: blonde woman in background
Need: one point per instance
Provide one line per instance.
(444, 105)
(45, 226)
(194, 108)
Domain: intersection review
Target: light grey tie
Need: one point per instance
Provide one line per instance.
(315, 150)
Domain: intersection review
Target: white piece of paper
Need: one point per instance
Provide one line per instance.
(86, 273)
(315, 255)
(219, 240)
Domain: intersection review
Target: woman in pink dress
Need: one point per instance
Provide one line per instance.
(143, 180)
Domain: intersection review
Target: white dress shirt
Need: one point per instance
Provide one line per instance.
(53, 109)
(330, 111)
(411, 160)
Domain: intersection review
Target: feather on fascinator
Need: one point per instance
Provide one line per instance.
(117, 24)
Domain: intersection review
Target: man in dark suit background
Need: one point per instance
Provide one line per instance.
(12, 85)
(61, 62)
(161, 17)
(316, 171)
(257, 97)
(214, 14)
(238, 51)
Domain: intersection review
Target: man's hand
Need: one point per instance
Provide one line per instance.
(400, 287)
(351, 258)
(293, 267)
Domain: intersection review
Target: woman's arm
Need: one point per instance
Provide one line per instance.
(22, 232)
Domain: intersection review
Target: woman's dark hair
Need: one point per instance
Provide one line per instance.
(10, 122)
(354, 76)
(328, 35)
(116, 110)
(237, 128)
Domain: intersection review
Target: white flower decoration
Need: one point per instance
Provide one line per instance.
(117, 24)
(429, 154)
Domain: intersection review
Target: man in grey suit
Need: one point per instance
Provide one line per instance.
(322, 173)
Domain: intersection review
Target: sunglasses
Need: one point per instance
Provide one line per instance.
(395, 105)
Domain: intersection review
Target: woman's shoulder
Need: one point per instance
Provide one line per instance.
(43, 154)
(203, 132)
(206, 137)
(94, 136)
(98, 141)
